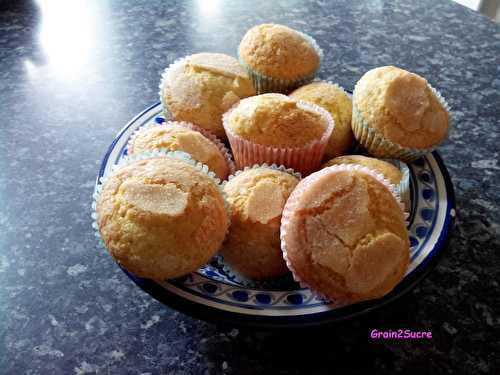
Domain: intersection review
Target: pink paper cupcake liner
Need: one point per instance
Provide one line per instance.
(207, 134)
(303, 159)
(292, 202)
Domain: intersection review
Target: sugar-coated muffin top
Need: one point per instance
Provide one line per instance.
(334, 99)
(176, 137)
(259, 194)
(201, 87)
(257, 197)
(345, 234)
(161, 217)
(278, 51)
(402, 106)
(390, 172)
(276, 120)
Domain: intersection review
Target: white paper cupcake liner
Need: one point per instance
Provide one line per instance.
(179, 155)
(264, 84)
(376, 144)
(303, 159)
(207, 134)
(292, 202)
(403, 188)
(281, 282)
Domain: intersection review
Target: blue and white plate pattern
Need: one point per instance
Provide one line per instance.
(215, 294)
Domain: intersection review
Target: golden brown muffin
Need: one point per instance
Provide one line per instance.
(201, 87)
(344, 234)
(392, 173)
(401, 106)
(276, 120)
(176, 137)
(338, 104)
(161, 218)
(257, 197)
(279, 52)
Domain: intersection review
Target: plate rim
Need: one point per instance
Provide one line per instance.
(218, 316)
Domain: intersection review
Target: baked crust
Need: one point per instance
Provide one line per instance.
(402, 106)
(176, 137)
(339, 105)
(202, 87)
(161, 218)
(392, 173)
(346, 236)
(277, 51)
(276, 120)
(257, 197)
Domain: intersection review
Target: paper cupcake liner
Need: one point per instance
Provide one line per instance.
(376, 144)
(264, 84)
(403, 188)
(126, 160)
(303, 159)
(207, 134)
(285, 281)
(292, 202)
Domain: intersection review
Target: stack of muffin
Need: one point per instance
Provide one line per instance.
(340, 230)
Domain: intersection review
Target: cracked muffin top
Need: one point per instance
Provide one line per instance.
(201, 87)
(161, 217)
(402, 106)
(345, 235)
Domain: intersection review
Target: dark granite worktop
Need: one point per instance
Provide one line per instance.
(72, 73)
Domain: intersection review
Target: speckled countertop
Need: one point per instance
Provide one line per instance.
(73, 73)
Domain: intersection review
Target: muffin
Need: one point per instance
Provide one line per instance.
(257, 197)
(201, 87)
(278, 58)
(273, 128)
(343, 234)
(397, 114)
(334, 99)
(398, 173)
(161, 217)
(182, 136)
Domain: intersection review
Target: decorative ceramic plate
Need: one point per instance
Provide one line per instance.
(213, 294)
